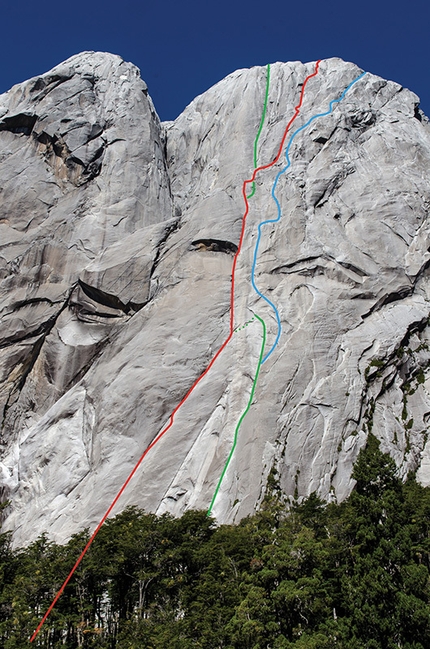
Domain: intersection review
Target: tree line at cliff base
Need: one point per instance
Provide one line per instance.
(353, 575)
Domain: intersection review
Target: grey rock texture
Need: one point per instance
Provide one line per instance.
(117, 238)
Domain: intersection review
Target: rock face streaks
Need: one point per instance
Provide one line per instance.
(117, 235)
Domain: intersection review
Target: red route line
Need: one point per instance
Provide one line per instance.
(197, 381)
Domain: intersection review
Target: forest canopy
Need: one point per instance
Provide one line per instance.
(353, 575)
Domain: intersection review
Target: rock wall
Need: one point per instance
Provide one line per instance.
(117, 241)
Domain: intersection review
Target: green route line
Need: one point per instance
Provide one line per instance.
(238, 328)
(236, 432)
(263, 117)
(243, 415)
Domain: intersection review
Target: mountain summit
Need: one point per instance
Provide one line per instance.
(150, 296)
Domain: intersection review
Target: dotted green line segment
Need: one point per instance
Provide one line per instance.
(245, 325)
(263, 117)
(243, 415)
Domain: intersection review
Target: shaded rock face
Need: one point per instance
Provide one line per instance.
(117, 239)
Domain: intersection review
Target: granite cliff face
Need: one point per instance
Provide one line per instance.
(117, 239)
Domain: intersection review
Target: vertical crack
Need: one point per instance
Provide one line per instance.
(170, 229)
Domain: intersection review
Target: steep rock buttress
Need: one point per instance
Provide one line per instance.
(117, 237)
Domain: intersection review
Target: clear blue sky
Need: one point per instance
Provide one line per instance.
(183, 47)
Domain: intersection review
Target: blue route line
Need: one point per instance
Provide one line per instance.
(278, 218)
